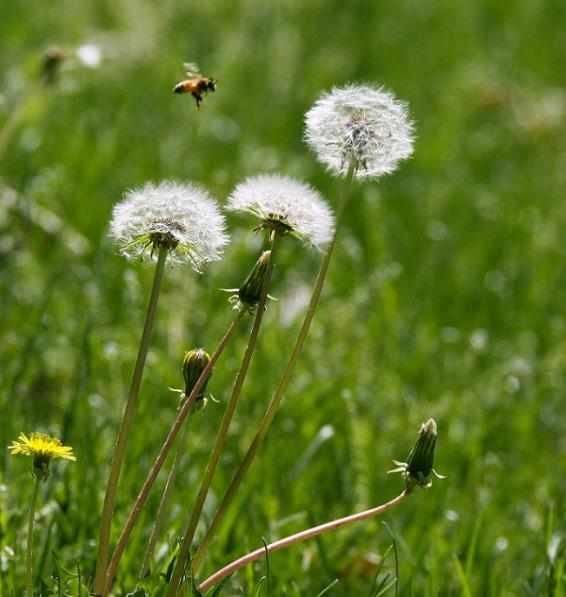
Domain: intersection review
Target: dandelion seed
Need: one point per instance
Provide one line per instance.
(359, 125)
(43, 448)
(180, 217)
(286, 205)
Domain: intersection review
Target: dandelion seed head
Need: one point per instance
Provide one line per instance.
(285, 204)
(90, 55)
(361, 125)
(182, 217)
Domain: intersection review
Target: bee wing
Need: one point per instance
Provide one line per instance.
(191, 68)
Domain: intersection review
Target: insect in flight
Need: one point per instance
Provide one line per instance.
(196, 83)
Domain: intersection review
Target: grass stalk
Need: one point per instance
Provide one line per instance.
(125, 426)
(29, 547)
(275, 402)
(299, 537)
(182, 414)
(222, 434)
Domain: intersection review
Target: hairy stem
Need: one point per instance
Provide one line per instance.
(275, 402)
(327, 527)
(162, 456)
(125, 426)
(29, 548)
(222, 434)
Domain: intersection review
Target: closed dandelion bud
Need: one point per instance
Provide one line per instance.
(421, 458)
(419, 468)
(249, 293)
(51, 62)
(194, 364)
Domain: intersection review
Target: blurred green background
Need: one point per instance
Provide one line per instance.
(446, 296)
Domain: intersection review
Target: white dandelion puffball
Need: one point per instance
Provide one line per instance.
(287, 205)
(179, 216)
(359, 125)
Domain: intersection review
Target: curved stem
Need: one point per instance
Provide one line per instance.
(327, 527)
(125, 426)
(29, 549)
(162, 456)
(222, 434)
(273, 406)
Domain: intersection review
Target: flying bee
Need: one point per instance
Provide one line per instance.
(196, 83)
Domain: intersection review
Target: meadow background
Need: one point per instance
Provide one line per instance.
(446, 296)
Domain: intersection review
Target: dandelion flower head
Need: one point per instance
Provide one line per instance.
(287, 205)
(180, 217)
(359, 126)
(43, 448)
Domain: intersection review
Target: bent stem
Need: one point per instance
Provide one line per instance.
(327, 527)
(125, 426)
(273, 406)
(162, 456)
(222, 434)
(29, 547)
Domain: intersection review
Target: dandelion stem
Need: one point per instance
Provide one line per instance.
(161, 509)
(14, 119)
(273, 406)
(327, 527)
(162, 456)
(222, 434)
(127, 419)
(29, 550)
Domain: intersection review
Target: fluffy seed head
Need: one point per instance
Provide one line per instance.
(287, 205)
(181, 217)
(362, 126)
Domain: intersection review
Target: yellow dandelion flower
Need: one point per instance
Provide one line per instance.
(43, 448)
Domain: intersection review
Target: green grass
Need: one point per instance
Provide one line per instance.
(446, 296)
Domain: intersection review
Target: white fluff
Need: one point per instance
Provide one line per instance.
(185, 213)
(275, 198)
(359, 124)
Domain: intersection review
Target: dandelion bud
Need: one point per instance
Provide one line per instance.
(419, 468)
(51, 62)
(421, 457)
(249, 293)
(194, 364)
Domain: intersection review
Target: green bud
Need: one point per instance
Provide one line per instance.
(421, 458)
(194, 364)
(51, 62)
(249, 293)
(419, 468)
